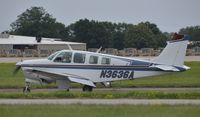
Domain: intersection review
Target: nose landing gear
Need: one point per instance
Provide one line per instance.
(27, 88)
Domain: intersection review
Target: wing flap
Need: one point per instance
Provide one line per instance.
(82, 81)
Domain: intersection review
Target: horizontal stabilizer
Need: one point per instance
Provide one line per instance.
(166, 68)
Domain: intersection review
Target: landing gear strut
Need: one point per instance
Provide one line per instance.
(27, 88)
(87, 88)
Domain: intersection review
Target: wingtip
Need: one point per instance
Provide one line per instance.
(186, 67)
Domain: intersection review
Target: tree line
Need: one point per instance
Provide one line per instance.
(37, 22)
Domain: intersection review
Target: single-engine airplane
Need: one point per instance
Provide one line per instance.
(89, 68)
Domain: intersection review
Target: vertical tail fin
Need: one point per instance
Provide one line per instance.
(174, 52)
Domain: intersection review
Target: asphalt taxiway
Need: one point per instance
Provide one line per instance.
(100, 101)
(104, 101)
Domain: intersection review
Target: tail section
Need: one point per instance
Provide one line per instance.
(174, 53)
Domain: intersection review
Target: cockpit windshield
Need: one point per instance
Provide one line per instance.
(52, 56)
(64, 57)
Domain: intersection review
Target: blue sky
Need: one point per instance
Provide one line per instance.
(169, 15)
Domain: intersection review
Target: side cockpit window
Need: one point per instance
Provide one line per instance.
(64, 57)
(105, 61)
(52, 56)
(79, 58)
(93, 60)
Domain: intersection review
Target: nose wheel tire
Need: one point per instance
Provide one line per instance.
(27, 88)
(87, 88)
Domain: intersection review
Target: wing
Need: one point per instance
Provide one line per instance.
(64, 76)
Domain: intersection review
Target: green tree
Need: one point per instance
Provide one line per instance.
(119, 35)
(193, 31)
(143, 35)
(139, 36)
(94, 33)
(37, 22)
(160, 38)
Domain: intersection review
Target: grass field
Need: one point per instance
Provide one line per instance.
(6, 76)
(98, 111)
(190, 78)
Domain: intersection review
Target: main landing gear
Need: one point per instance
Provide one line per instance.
(87, 88)
(27, 88)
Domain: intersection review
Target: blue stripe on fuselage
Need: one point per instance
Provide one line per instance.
(95, 67)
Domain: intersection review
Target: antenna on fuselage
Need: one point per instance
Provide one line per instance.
(69, 46)
(99, 50)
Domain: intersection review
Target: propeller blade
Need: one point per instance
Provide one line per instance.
(16, 70)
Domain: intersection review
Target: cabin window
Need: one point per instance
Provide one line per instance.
(79, 58)
(52, 56)
(64, 57)
(105, 61)
(93, 60)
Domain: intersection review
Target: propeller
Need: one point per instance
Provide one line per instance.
(18, 64)
(18, 67)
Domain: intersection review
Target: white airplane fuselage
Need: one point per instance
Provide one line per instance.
(89, 68)
(120, 68)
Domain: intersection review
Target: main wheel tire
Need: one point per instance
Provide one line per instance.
(87, 88)
(28, 89)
